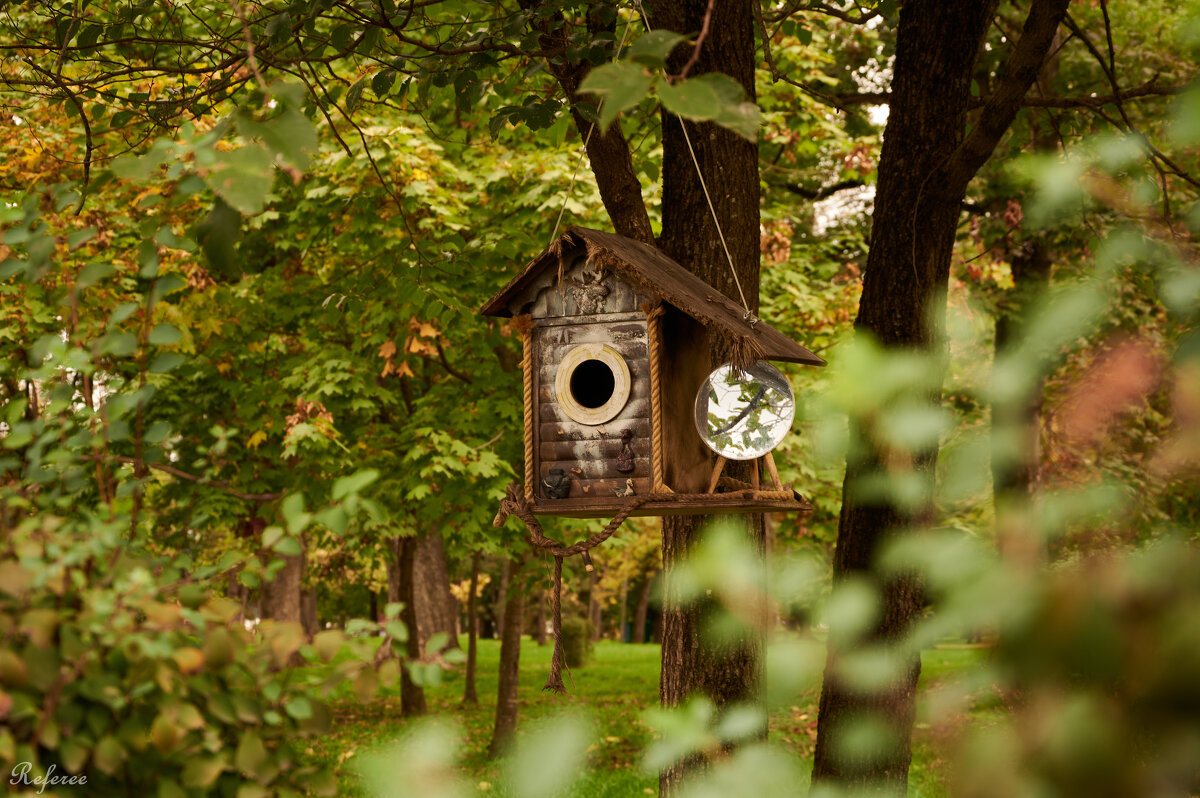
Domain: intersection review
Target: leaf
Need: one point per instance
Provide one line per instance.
(93, 273)
(202, 772)
(108, 755)
(353, 483)
(189, 659)
(714, 97)
(251, 754)
(328, 643)
(243, 177)
(653, 48)
(621, 86)
(299, 708)
(388, 349)
(165, 335)
(548, 759)
(217, 235)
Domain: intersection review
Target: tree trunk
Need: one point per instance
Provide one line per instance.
(470, 697)
(436, 607)
(924, 170)
(498, 604)
(412, 695)
(593, 607)
(281, 596)
(510, 659)
(308, 612)
(729, 164)
(643, 606)
(623, 612)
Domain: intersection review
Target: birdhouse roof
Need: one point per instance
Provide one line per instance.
(653, 273)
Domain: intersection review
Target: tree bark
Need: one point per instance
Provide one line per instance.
(436, 607)
(412, 695)
(470, 697)
(308, 612)
(643, 606)
(281, 596)
(729, 164)
(926, 164)
(510, 660)
(498, 604)
(623, 612)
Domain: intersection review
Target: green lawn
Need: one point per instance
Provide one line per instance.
(620, 681)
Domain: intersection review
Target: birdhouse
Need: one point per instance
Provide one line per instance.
(617, 340)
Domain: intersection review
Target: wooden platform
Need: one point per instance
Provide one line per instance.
(739, 502)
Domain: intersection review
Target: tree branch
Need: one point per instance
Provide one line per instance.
(175, 472)
(1019, 73)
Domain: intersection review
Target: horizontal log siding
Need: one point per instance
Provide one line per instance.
(589, 453)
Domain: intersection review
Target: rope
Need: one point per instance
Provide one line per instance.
(555, 681)
(527, 375)
(653, 320)
(749, 317)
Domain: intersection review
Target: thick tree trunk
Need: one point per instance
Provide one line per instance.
(308, 612)
(643, 607)
(281, 596)
(510, 660)
(412, 695)
(436, 607)
(501, 592)
(729, 165)
(470, 697)
(924, 169)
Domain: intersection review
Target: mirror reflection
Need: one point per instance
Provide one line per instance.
(744, 413)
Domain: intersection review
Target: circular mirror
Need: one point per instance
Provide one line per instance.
(744, 413)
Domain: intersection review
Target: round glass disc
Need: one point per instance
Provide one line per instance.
(743, 414)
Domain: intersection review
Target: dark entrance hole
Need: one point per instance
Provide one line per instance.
(592, 383)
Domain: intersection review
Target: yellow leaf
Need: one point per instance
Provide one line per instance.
(420, 174)
(405, 370)
(427, 330)
(387, 350)
(255, 440)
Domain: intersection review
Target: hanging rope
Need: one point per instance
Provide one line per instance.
(514, 504)
(749, 315)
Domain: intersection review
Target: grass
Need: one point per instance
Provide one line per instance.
(620, 681)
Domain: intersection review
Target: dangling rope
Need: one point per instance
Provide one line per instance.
(514, 503)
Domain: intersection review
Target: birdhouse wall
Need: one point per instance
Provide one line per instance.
(589, 454)
(684, 365)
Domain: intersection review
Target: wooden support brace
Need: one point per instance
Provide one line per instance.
(716, 474)
(754, 475)
(774, 472)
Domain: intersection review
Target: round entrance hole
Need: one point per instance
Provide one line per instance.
(592, 383)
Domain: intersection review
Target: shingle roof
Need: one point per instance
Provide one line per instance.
(652, 272)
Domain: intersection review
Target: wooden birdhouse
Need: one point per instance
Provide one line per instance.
(617, 341)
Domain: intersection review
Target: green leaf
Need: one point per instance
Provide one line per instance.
(217, 235)
(549, 758)
(166, 362)
(93, 273)
(713, 97)
(165, 335)
(79, 237)
(243, 177)
(251, 754)
(108, 755)
(620, 86)
(289, 546)
(328, 643)
(653, 48)
(203, 772)
(353, 483)
(299, 708)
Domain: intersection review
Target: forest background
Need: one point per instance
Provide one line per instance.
(242, 375)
